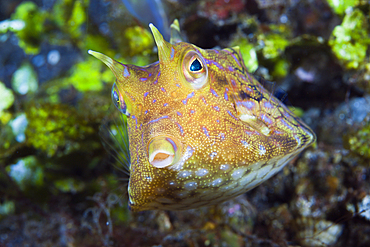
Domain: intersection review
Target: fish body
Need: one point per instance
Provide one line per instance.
(201, 129)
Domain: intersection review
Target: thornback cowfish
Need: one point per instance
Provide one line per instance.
(201, 129)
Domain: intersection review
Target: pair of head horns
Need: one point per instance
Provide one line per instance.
(164, 50)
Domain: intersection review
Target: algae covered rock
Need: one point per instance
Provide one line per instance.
(350, 40)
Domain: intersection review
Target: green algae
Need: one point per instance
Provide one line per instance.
(7, 207)
(358, 141)
(281, 68)
(340, 6)
(140, 40)
(25, 80)
(296, 110)
(27, 173)
(19, 125)
(274, 45)
(31, 35)
(268, 43)
(70, 16)
(6, 139)
(69, 185)
(56, 129)
(350, 40)
(87, 76)
(7, 97)
(34, 26)
(248, 52)
(274, 42)
(7, 100)
(90, 74)
(99, 43)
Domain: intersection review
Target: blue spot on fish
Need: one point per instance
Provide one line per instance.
(173, 143)
(231, 114)
(190, 95)
(172, 52)
(157, 119)
(125, 72)
(134, 117)
(236, 60)
(205, 131)
(180, 127)
(213, 92)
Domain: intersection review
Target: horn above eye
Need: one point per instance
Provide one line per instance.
(195, 69)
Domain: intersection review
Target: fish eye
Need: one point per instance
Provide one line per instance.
(118, 101)
(195, 69)
(195, 65)
(163, 151)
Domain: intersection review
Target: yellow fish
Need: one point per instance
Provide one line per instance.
(201, 129)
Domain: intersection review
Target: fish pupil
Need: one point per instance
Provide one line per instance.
(119, 104)
(195, 65)
(115, 98)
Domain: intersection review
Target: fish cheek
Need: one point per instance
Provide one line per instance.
(149, 187)
(152, 179)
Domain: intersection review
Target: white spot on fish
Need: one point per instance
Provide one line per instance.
(213, 154)
(125, 72)
(245, 143)
(201, 172)
(238, 173)
(262, 149)
(224, 167)
(184, 174)
(191, 185)
(182, 194)
(296, 137)
(216, 182)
